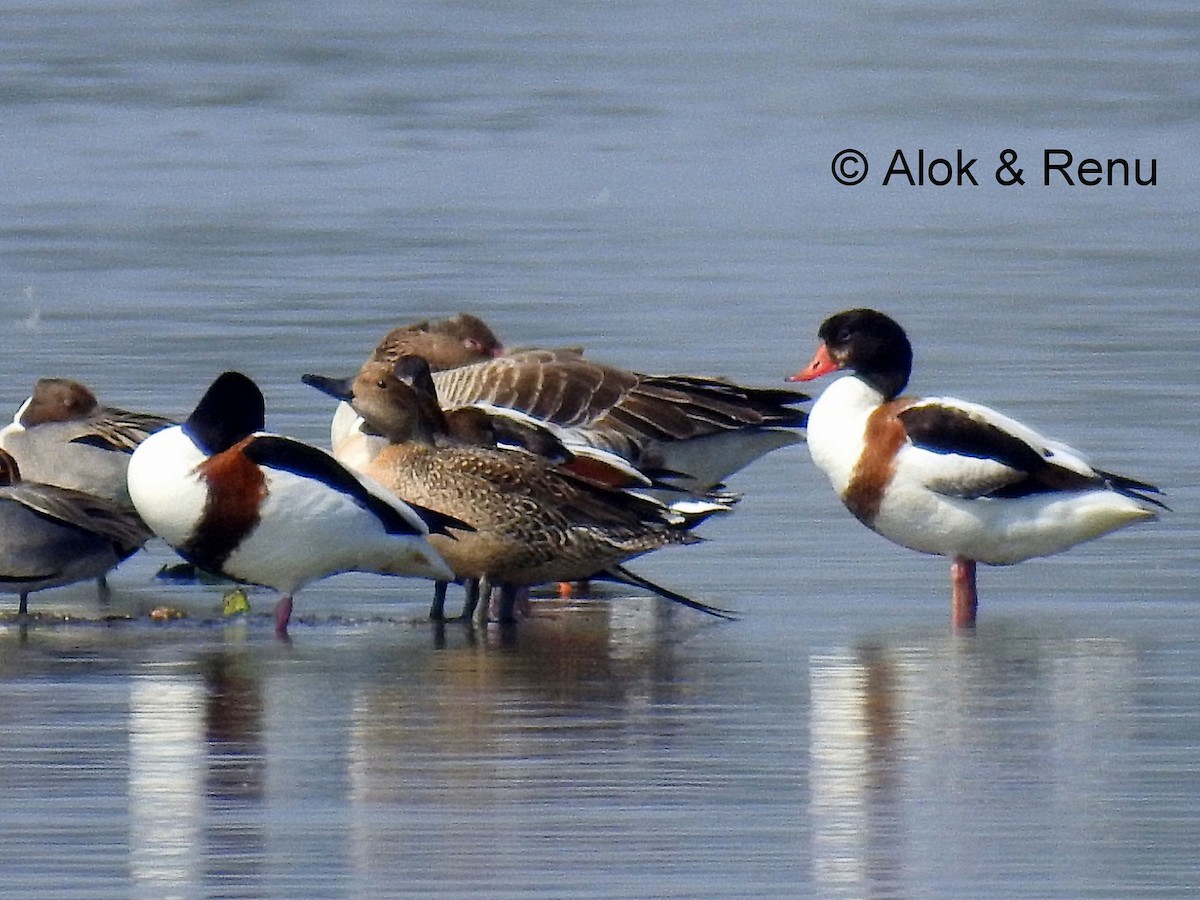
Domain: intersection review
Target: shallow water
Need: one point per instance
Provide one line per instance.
(271, 186)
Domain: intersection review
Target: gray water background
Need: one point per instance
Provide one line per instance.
(193, 186)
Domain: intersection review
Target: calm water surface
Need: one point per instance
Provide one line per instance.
(269, 186)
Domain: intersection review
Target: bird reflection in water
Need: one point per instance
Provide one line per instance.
(489, 722)
(854, 785)
(197, 772)
(235, 772)
(960, 739)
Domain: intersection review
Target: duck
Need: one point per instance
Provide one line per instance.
(52, 536)
(698, 430)
(63, 435)
(950, 477)
(266, 509)
(459, 340)
(478, 426)
(534, 522)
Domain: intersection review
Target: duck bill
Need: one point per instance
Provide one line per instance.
(822, 364)
(338, 388)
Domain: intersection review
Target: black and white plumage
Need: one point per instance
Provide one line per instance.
(270, 510)
(946, 476)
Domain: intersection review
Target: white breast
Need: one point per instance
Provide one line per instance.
(351, 446)
(165, 488)
(837, 424)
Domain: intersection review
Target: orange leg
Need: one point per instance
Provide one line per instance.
(964, 599)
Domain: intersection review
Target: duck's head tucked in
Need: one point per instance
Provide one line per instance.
(57, 400)
(197, 496)
(63, 435)
(446, 343)
(231, 410)
(472, 332)
(270, 510)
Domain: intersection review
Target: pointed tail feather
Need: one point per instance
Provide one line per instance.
(621, 575)
(1132, 487)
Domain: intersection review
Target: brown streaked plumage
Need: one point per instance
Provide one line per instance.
(702, 428)
(533, 522)
(563, 387)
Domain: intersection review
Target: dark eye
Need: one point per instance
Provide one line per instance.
(473, 345)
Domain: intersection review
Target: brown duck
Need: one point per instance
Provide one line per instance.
(533, 521)
(697, 429)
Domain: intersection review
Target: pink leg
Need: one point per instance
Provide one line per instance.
(964, 599)
(283, 614)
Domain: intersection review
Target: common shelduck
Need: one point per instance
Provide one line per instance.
(533, 521)
(945, 476)
(52, 536)
(63, 435)
(270, 510)
(698, 429)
